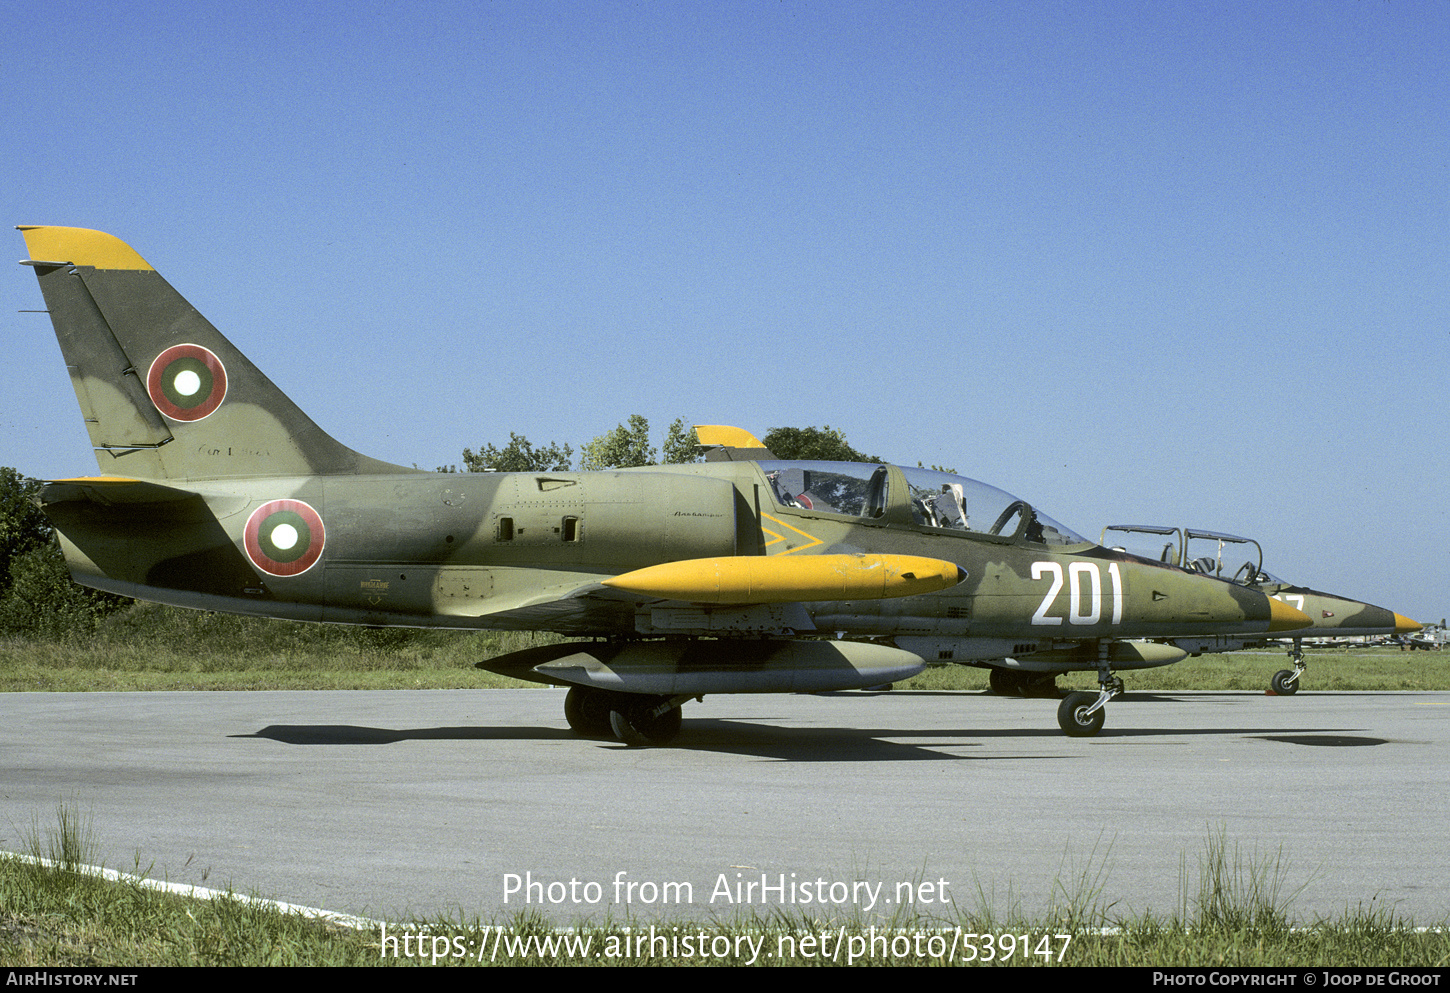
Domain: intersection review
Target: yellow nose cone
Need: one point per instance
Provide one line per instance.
(1403, 625)
(1283, 617)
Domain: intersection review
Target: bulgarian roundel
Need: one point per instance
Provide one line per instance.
(284, 537)
(186, 382)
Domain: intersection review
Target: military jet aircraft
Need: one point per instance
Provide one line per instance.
(1430, 638)
(1211, 553)
(217, 492)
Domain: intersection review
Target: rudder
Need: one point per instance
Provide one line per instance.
(164, 394)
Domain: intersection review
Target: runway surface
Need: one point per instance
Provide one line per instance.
(429, 803)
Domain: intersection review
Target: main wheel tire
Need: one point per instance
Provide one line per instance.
(1006, 682)
(1042, 685)
(1284, 683)
(587, 711)
(1073, 718)
(633, 724)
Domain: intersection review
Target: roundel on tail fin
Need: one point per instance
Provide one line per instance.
(187, 382)
(284, 537)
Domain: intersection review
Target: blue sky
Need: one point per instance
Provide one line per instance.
(1178, 263)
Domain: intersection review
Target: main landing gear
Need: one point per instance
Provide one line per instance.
(1081, 715)
(1286, 681)
(633, 718)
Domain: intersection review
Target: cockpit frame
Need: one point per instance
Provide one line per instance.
(917, 498)
(1178, 551)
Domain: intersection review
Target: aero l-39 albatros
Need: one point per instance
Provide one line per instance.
(217, 492)
(1330, 615)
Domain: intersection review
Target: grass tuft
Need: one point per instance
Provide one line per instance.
(1242, 894)
(70, 845)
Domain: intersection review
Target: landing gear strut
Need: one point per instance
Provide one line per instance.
(1081, 715)
(1285, 681)
(633, 718)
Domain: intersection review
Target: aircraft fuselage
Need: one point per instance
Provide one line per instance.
(466, 550)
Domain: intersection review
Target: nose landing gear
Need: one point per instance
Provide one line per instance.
(1286, 681)
(1081, 715)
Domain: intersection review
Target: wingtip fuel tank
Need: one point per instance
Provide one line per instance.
(787, 579)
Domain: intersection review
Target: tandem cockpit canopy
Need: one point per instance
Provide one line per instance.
(916, 496)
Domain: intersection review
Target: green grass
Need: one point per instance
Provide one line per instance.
(1236, 910)
(1342, 668)
(150, 647)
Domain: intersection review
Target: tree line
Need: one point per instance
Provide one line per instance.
(37, 595)
(629, 445)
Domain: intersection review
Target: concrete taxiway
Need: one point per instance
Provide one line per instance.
(479, 803)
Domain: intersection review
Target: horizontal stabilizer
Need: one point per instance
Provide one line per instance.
(111, 491)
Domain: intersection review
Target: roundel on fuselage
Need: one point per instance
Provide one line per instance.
(284, 537)
(187, 382)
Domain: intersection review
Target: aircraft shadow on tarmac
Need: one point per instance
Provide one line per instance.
(813, 744)
(353, 734)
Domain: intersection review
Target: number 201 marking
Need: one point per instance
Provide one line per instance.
(1081, 609)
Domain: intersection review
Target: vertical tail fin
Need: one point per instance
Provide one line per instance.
(163, 393)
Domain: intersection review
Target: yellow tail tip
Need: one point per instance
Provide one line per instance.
(80, 246)
(726, 436)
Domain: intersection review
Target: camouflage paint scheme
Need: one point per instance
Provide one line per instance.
(217, 492)
(1330, 615)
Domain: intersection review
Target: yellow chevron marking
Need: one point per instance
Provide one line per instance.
(812, 540)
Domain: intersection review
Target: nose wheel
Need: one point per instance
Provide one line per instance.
(1286, 681)
(1081, 715)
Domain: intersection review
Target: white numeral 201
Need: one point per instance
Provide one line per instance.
(1080, 609)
